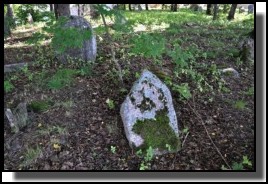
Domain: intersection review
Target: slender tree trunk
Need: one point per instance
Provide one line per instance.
(232, 12)
(51, 7)
(209, 6)
(10, 13)
(7, 31)
(129, 7)
(83, 10)
(146, 7)
(215, 12)
(64, 10)
(78, 10)
(124, 6)
(163, 6)
(171, 7)
(112, 50)
(56, 11)
(225, 8)
(174, 7)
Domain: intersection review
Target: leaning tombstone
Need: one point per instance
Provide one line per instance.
(149, 118)
(250, 8)
(86, 49)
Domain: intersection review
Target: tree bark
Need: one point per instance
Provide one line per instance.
(146, 7)
(51, 7)
(7, 31)
(63, 9)
(129, 7)
(215, 12)
(78, 10)
(113, 50)
(83, 10)
(232, 12)
(10, 13)
(174, 7)
(56, 11)
(209, 6)
(124, 6)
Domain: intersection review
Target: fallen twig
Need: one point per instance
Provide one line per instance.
(184, 139)
(202, 122)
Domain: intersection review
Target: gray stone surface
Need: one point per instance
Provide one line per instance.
(19, 118)
(88, 51)
(230, 70)
(246, 48)
(147, 86)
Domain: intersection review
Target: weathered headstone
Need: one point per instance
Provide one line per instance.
(250, 8)
(88, 50)
(246, 48)
(19, 118)
(149, 117)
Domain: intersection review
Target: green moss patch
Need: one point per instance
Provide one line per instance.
(157, 132)
(40, 106)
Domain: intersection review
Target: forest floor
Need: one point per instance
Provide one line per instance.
(79, 131)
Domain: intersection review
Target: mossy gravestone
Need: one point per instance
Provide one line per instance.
(149, 117)
(80, 36)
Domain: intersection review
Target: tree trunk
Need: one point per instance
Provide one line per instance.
(10, 11)
(56, 11)
(146, 7)
(93, 12)
(124, 6)
(163, 6)
(83, 10)
(78, 10)
(225, 8)
(174, 7)
(7, 31)
(129, 7)
(63, 10)
(215, 12)
(51, 7)
(171, 7)
(209, 6)
(232, 12)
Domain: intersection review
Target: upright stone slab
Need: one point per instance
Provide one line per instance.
(88, 50)
(149, 117)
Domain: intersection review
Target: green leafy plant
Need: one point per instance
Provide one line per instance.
(149, 154)
(110, 103)
(250, 91)
(149, 46)
(63, 38)
(139, 152)
(240, 104)
(113, 149)
(237, 166)
(40, 106)
(62, 78)
(168, 147)
(8, 86)
(185, 130)
(246, 161)
(183, 90)
(31, 155)
(143, 166)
